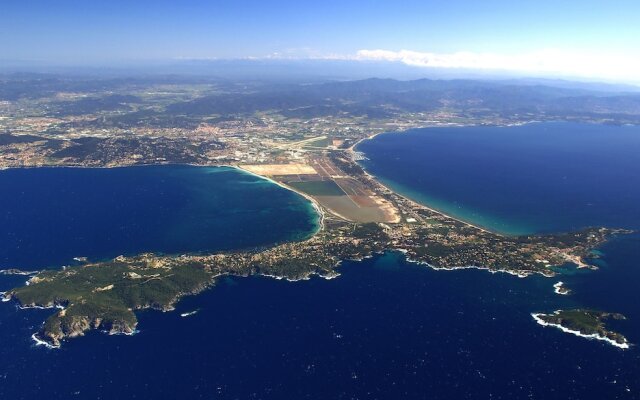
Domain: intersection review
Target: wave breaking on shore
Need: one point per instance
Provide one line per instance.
(594, 336)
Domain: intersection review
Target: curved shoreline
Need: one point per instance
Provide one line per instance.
(40, 342)
(559, 288)
(15, 271)
(593, 336)
(352, 150)
(394, 196)
(316, 206)
(319, 211)
(492, 271)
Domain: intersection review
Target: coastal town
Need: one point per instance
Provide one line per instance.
(349, 200)
(315, 157)
(359, 218)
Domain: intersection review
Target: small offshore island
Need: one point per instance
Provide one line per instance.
(105, 295)
(305, 143)
(559, 288)
(589, 324)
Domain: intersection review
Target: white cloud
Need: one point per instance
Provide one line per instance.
(551, 62)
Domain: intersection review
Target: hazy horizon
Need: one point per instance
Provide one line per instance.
(577, 40)
(301, 71)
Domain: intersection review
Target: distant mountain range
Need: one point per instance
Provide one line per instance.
(374, 97)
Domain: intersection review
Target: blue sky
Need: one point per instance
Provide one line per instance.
(491, 31)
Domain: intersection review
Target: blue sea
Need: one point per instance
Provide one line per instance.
(547, 177)
(385, 329)
(48, 216)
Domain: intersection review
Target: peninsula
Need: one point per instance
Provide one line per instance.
(360, 218)
(304, 143)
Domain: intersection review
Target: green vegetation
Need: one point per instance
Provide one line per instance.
(318, 188)
(318, 144)
(89, 122)
(585, 322)
(103, 296)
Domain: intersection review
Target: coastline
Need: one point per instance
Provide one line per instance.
(594, 336)
(319, 211)
(491, 271)
(352, 150)
(334, 258)
(40, 342)
(559, 288)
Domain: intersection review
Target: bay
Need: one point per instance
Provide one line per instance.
(48, 216)
(386, 328)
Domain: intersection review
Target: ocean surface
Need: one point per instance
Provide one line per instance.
(48, 216)
(384, 329)
(547, 177)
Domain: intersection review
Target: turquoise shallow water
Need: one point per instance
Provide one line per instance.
(385, 329)
(50, 215)
(534, 178)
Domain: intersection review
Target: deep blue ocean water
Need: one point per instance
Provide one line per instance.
(533, 178)
(49, 216)
(385, 329)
